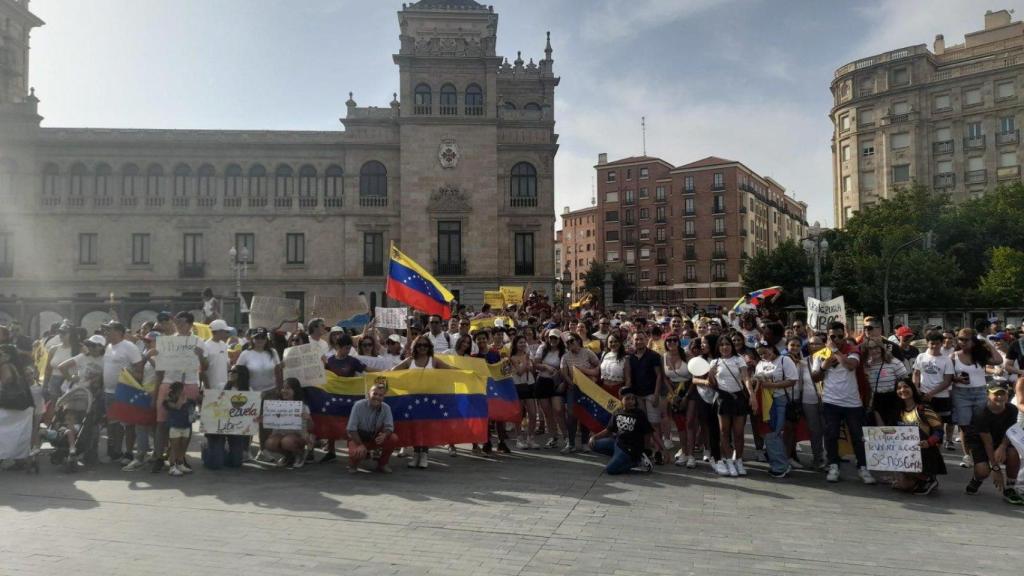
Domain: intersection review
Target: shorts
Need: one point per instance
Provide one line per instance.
(652, 407)
(544, 389)
(943, 407)
(967, 401)
(179, 433)
(730, 404)
(525, 391)
(191, 392)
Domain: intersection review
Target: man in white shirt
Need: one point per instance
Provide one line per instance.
(841, 400)
(392, 353)
(442, 341)
(933, 376)
(318, 335)
(120, 354)
(217, 361)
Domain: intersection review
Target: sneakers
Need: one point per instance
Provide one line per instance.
(414, 462)
(452, 452)
(691, 462)
(966, 461)
(422, 462)
(175, 471)
(950, 446)
(521, 444)
(125, 460)
(972, 487)
(531, 445)
(730, 465)
(865, 476)
(739, 467)
(679, 454)
(645, 464)
(785, 472)
(721, 468)
(133, 466)
(184, 467)
(679, 461)
(925, 487)
(299, 461)
(1011, 497)
(503, 448)
(706, 458)
(833, 473)
(795, 464)
(402, 453)
(551, 443)
(567, 449)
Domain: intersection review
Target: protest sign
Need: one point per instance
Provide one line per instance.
(353, 311)
(230, 412)
(177, 354)
(893, 448)
(282, 415)
(394, 318)
(821, 312)
(304, 364)
(495, 299)
(512, 295)
(270, 311)
(1016, 436)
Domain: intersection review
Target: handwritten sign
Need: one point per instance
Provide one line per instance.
(1016, 436)
(271, 311)
(394, 318)
(893, 448)
(353, 312)
(512, 295)
(230, 412)
(304, 364)
(177, 354)
(820, 313)
(283, 415)
(495, 298)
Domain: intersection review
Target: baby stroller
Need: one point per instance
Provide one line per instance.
(75, 430)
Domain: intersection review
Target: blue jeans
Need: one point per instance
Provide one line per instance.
(621, 462)
(223, 450)
(142, 440)
(854, 418)
(774, 444)
(571, 422)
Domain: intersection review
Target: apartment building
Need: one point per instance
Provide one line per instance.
(579, 247)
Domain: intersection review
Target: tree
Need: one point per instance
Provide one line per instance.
(593, 280)
(1003, 284)
(787, 266)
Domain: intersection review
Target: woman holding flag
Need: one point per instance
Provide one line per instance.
(422, 358)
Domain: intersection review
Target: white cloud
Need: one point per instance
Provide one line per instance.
(610, 20)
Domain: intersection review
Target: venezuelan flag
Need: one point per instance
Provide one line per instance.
(409, 283)
(502, 399)
(594, 406)
(330, 406)
(133, 402)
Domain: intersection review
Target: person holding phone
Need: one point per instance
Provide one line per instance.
(971, 358)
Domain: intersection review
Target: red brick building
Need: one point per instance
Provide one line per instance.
(579, 246)
(688, 230)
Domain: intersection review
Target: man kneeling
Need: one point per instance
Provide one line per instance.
(625, 437)
(371, 427)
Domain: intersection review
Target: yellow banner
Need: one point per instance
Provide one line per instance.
(495, 298)
(513, 295)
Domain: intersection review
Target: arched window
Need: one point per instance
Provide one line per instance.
(422, 104)
(182, 174)
(474, 100)
(257, 186)
(233, 186)
(51, 197)
(102, 185)
(307, 187)
(205, 189)
(449, 100)
(373, 184)
(76, 185)
(523, 188)
(130, 184)
(509, 105)
(284, 178)
(334, 186)
(532, 106)
(154, 174)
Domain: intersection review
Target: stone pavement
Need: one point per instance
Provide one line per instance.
(532, 513)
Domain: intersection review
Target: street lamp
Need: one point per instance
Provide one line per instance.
(816, 245)
(240, 264)
(926, 240)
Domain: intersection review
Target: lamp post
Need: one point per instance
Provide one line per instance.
(926, 240)
(240, 264)
(816, 245)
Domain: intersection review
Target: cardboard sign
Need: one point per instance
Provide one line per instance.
(512, 295)
(353, 311)
(270, 311)
(1016, 436)
(893, 448)
(495, 299)
(822, 312)
(177, 354)
(303, 363)
(394, 318)
(283, 415)
(230, 412)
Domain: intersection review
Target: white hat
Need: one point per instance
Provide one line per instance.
(395, 338)
(219, 326)
(616, 322)
(555, 332)
(97, 340)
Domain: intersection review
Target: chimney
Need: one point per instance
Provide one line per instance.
(996, 19)
(565, 210)
(940, 44)
(602, 158)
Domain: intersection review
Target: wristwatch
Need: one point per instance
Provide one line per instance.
(995, 467)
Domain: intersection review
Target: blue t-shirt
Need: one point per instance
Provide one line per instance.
(179, 417)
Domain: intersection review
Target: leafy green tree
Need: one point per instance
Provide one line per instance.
(1003, 284)
(787, 266)
(593, 280)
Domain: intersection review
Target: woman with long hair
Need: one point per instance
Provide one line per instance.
(291, 444)
(914, 412)
(882, 371)
(532, 342)
(970, 359)
(806, 392)
(421, 358)
(613, 366)
(729, 376)
(706, 399)
(523, 372)
(549, 388)
(679, 381)
(222, 450)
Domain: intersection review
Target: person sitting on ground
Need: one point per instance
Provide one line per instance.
(930, 426)
(291, 444)
(371, 427)
(990, 446)
(625, 437)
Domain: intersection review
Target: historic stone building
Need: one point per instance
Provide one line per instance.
(946, 119)
(458, 170)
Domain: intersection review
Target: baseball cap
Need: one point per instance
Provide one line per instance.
(998, 386)
(261, 333)
(219, 326)
(395, 338)
(336, 329)
(555, 333)
(96, 340)
(904, 331)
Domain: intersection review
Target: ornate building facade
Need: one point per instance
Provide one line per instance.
(458, 171)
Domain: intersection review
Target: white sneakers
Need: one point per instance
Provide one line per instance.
(645, 464)
(721, 468)
(796, 464)
(866, 477)
(739, 467)
(667, 442)
(133, 466)
(690, 462)
(175, 471)
(833, 473)
(730, 464)
(418, 460)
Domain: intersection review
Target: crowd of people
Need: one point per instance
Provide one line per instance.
(692, 390)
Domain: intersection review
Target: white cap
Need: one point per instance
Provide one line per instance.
(219, 326)
(555, 332)
(97, 340)
(395, 338)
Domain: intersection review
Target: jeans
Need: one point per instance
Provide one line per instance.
(621, 462)
(774, 444)
(224, 450)
(141, 441)
(571, 422)
(854, 418)
(816, 424)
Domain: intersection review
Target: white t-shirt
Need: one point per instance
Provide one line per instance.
(882, 377)
(805, 388)
(261, 368)
(782, 368)
(382, 362)
(89, 369)
(840, 384)
(324, 346)
(118, 356)
(729, 373)
(218, 364)
(933, 369)
(976, 373)
(59, 355)
(441, 345)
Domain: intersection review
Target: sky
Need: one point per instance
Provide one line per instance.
(746, 80)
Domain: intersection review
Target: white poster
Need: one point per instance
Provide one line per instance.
(336, 309)
(177, 354)
(282, 415)
(893, 448)
(270, 311)
(304, 363)
(822, 312)
(1016, 435)
(392, 318)
(231, 412)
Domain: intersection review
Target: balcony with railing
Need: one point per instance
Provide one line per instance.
(449, 110)
(76, 201)
(690, 255)
(421, 110)
(689, 190)
(308, 201)
(719, 278)
(718, 255)
(945, 180)
(898, 118)
(450, 267)
(1008, 172)
(661, 261)
(944, 147)
(716, 232)
(524, 269)
(974, 142)
(689, 234)
(522, 201)
(333, 201)
(180, 202)
(282, 202)
(367, 201)
(232, 201)
(1009, 137)
(474, 110)
(129, 201)
(373, 268)
(718, 209)
(206, 201)
(716, 186)
(976, 176)
(192, 269)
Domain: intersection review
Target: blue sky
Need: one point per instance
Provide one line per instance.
(742, 79)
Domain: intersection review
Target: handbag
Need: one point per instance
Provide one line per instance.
(743, 394)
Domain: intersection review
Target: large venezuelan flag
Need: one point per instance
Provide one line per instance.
(594, 406)
(409, 283)
(429, 407)
(133, 402)
(502, 399)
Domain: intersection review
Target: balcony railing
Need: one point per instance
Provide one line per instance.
(333, 201)
(689, 190)
(944, 147)
(976, 176)
(690, 212)
(129, 201)
(719, 278)
(283, 202)
(76, 201)
(719, 232)
(258, 202)
(718, 210)
(207, 201)
(104, 201)
(180, 201)
(718, 185)
(373, 201)
(233, 202)
(474, 110)
(689, 234)
(308, 201)
(746, 187)
(192, 269)
(449, 110)
(373, 268)
(6, 270)
(421, 110)
(718, 255)
(899, 118)
(524, 269)
(661, 261)
(945, 180)
(973, 143)
(154, 201)
(1008, 172)
(450, 268)
(1011, 137)
(523, 201)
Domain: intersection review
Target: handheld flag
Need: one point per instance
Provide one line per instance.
(757, 297)
(410, 284)
(502, 399)
(133, 402)
(594, 406)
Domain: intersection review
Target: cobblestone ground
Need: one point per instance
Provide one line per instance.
(526, 513)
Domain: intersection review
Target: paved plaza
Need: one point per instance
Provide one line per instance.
(528, 513)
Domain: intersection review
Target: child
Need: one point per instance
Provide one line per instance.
(179, 421)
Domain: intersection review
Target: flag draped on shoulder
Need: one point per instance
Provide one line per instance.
(134, 403)
(594, 406)
(410, 284)
(502, 398)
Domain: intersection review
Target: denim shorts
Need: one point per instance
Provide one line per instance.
(967, 401)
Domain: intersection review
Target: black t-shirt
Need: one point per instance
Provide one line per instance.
(643, 370)
(1016, 353)
(631, 428)
(984, 421)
